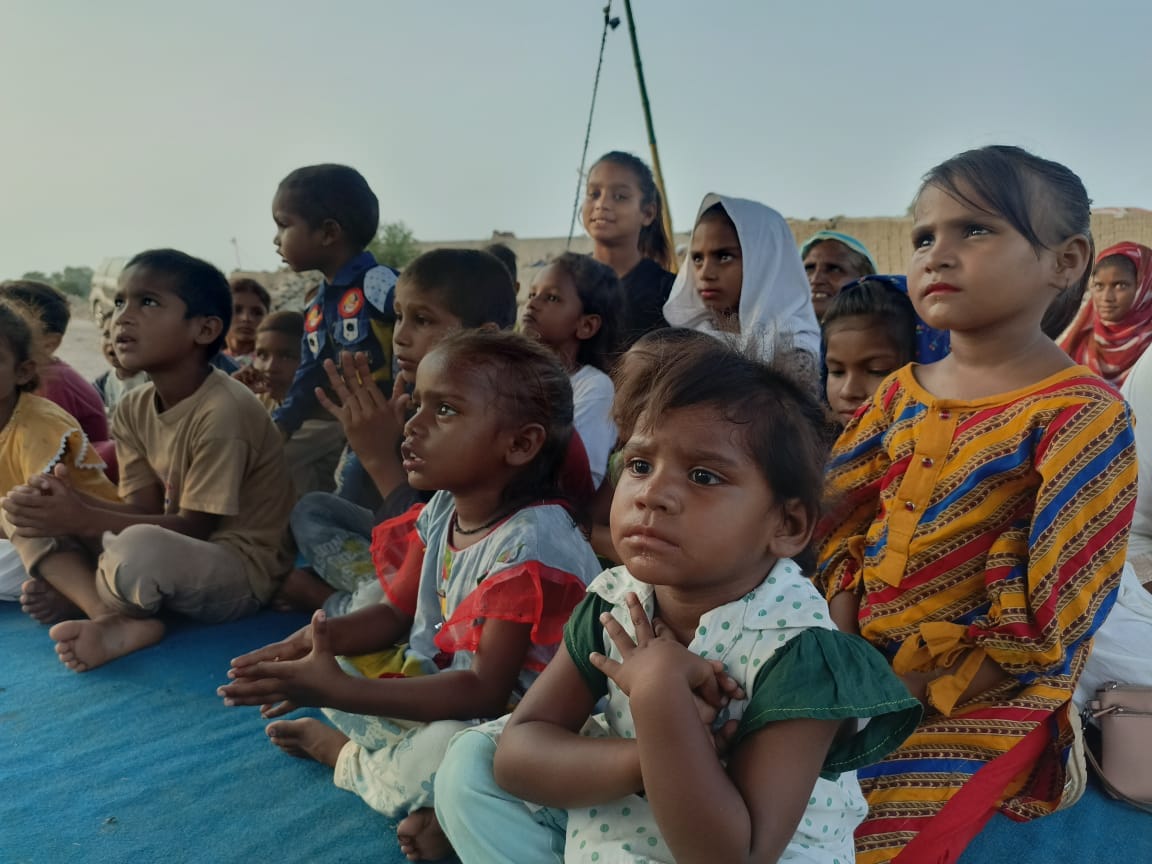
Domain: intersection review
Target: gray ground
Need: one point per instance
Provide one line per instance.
(81, 346)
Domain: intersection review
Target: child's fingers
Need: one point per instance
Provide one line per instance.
(640, 623)
(331, 407)
(605, 664)
(336, 381)
(261, 691)
(618, 635)
(278, 709)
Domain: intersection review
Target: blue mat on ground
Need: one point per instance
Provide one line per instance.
(140, 760)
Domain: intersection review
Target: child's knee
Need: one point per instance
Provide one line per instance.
(466, 770)
(129, 569)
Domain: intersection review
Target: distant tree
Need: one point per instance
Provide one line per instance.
(395, 245)
(76, 281)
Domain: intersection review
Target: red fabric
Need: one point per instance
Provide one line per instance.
(576, 475)
(1110, 350)
(528, 593)
(398, 554)
(62, 384)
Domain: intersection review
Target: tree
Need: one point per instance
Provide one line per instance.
(394, 245)
(76, 281)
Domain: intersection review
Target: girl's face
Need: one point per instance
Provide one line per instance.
(247, 313)
(278, 357)
(1113, 292)
(860, 354)
(718, 264)
(692, 511)
(829, 266)
(13, 375)
(613, 212)
(554, 313)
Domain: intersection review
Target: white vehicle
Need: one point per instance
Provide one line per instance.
(103, 290)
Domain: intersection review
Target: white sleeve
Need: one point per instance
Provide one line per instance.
(592, 395)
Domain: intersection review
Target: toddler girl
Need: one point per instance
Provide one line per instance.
(573, 307)
(982, 511)
(730, 730)
(479, 583)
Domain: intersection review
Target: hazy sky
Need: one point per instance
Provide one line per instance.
(130, 124)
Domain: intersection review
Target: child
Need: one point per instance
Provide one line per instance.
(832, 260)
(623, 213)
(326, 215)
(36, 436)
(573, 309)
(480, 583)
(440, 292)
(730, 724)
(250, 304)
(507, 257)
(983, 506)
(1110, 333)
(113, 383)
(202, 476)
(742, 275)
(870, 329)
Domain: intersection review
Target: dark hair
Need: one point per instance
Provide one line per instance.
(505, 254)
(244, 285)
(532, 387)
(889, 308)
(1043, 200)
(20, 331)
(200, 285)
(288, 322)
(473, 285)
(46, 303)
(857, 261)
(598, 288)
(321, 192)
(654, 241)
(717, 211)
(635, 368)
(1117, 260)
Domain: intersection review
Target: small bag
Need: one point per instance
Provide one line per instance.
(1124, 714)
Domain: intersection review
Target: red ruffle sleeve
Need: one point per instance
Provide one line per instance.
(398, 554)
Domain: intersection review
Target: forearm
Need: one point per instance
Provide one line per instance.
(550, 765)
(450, 695)
(384, 468)
(845, 611)
(374, 628)
(116, 517)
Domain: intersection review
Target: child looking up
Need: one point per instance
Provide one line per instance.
(742, 275)
(479, 584)
(623, 213)
(572, 308)
(206, 494)
(326, 215)
(113, 383)
(730, 728)
(982, 511)
(250, 304)
(831, 261)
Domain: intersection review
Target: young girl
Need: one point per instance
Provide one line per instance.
(479, 583)
(742, 275)
(623, 213)
(983, 506)
(730, 730)
(573, 307)
(870, 329)
(250, 305)
(1110, 333)
(831, 261)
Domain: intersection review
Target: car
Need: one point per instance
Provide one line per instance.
(103, 291)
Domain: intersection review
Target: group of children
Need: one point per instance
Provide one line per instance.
(800, 650)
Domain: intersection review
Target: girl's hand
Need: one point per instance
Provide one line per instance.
(372, 423)
(252, 378)
(292, 648)
(48, 506)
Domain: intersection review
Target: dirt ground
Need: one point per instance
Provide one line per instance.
(81, 346)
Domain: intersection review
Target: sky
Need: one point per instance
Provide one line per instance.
(133, 124)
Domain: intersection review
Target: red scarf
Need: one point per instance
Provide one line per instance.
(1110, 350)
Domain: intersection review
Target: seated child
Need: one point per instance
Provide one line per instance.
(831, 261)
(730, 731)
(479, 582)
(572, 308)
(113, 383)
(870, 329)
(440, 292)
(206, 493)
(742, 275)
(326, 215)
(36, 436)
(251, 303)
(982, 507)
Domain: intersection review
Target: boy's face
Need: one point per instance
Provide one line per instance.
(718, 264)
(422, 320)
(107, 346)
(278, 357)
(149, 329)
(301, 246)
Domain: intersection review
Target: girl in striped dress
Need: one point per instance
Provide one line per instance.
(981, 507)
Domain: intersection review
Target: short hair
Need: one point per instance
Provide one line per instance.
(321, 192)
(244, 285)
(505, 254)
(598, 288)
(634, 370)
(654, 242)
(201, 286)
(46, 303)
(890, 309)
(23, 334)
(288, 322)
(473, 285)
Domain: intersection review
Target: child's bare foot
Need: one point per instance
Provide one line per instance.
(308, 738)
(421, 837)
(43, 603)
(301, 591)
(84, 645)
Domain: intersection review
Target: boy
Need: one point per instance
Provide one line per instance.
(206, 494)
(326, 215)
(251, 303)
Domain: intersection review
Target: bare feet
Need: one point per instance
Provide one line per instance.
(84, 645)
(421, 837)
(308, 738)
(40, 601)
(301, 591)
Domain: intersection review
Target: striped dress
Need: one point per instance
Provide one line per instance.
(993, 528)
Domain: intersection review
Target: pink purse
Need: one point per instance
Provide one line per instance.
(1124, 714)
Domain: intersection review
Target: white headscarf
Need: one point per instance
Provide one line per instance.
(775, 299)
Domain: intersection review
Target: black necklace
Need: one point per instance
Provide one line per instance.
(469, 531)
